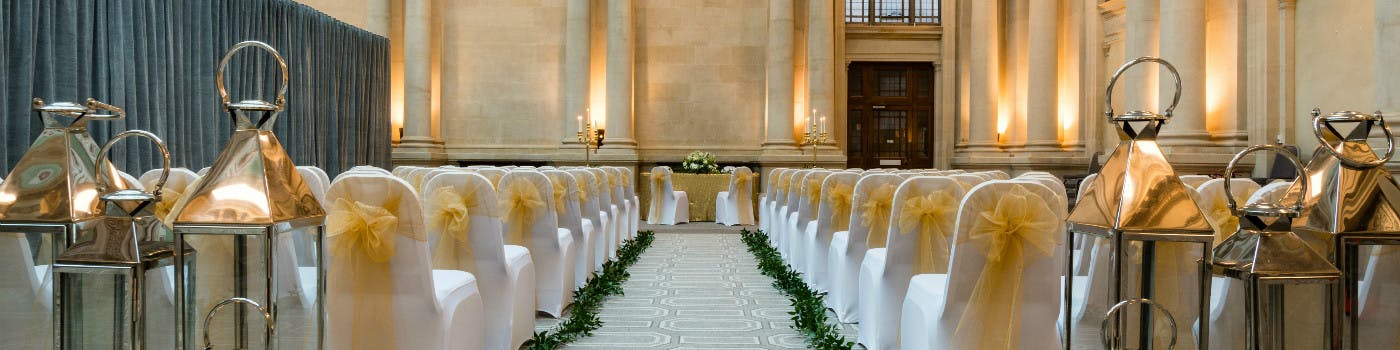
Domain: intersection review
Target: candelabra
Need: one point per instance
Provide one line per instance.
(814, 138)
(591, 139)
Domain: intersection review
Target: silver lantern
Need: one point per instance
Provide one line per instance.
(1138, 201)
(1353, 202)
(49, 196)
(113, 289)
(1268, 258)
(243, 217)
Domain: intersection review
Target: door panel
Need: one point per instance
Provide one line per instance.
(890, 115)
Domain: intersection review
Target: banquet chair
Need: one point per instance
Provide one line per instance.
(130, 180)
(629, 191)
(833, 214)
(736, 209)
(315, 175)
(388, 296)
(870, 211)
(780, 207)
(805, 218)
(668, 206)
(788, 213)
(1213, 204)
(566, 204)
(776, 196)
(765, 198)
(958, 310)
(968, 181)
(464, 231)
(922, 214)
(1194, 181)
(1082, 256)
(624, 204)
(588, 209)
(493, 174)
(529, 220)
(608, 212)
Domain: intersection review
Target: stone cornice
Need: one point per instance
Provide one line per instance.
(895, 32)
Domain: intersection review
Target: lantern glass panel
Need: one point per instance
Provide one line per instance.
(232, 266)
(26, 261)
(95, 305)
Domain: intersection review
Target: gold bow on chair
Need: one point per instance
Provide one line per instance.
(876, 215)
(451, 216)
(741, 180)
(814, 192)
(362, 235)
(784, 183)
(559, 192)
(840, 198)
(1019, 225)
(658, 179)
(168, 196)
(520, 202)
(1221, 219)
(582, 191)
(929, 215)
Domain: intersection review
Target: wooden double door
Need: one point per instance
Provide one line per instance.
(890, 115)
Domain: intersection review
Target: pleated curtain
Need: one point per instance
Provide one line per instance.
(157, 60)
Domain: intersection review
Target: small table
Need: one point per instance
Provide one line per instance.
(700, 188)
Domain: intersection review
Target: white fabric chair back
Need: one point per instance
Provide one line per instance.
(794, 191)
(810, 196)
(968, 181)
(629, 182)
(911, 238)
(313, 182)
(1194, 181)
(770, 183)
(865, 189)
(615, 185)
(843, 184)
(484, 237)
(1060, 201)
(545, 221)
(1039, 280)
(493, 174)
(1085, 185)
(412, 281)
(1212, 202)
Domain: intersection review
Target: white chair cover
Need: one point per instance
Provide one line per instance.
(834, 214)
(629, 181)
(736, 209)
(995, 296)
(622, 201)
(566, 203)
(387, 296)
(1213, 204)
(766, 199)
(612, 215)
(1194, 181)
(802, 224)
(922, 215)
(506, 274)
(870, 205)
(777, 198)
(588, 208)
(528, 219)
(668, 206)
(788, 213)
(493, 174)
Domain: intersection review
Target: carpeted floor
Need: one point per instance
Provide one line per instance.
(697, 287)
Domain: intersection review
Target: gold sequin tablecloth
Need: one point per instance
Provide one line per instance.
(700, 188)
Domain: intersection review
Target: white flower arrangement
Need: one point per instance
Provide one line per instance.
(699, 163)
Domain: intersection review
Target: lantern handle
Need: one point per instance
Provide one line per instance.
(1141, 115)
(1278, 149)
(103, 180)
(1103, 327)
(1325, 122)
(209, 318)
(255, 104)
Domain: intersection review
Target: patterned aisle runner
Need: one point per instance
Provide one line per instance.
(697, 287)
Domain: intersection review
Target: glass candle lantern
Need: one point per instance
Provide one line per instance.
(1269, 259)
(1353, 204)
(48, 198)
(1137, 202)
(113, 286)
(243, 217)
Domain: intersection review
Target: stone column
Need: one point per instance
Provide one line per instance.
(1387, 72)
(985, 74)
(821, 79)
(1042, 97)
(1139, 85)
(1287, 111)
(780, 74)
(576, 68)
(1183, 43)
(418, 144)
(621, 40)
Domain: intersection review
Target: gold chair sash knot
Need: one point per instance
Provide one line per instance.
(876, 215)
(1019, 225)
(840, 198)
(928, 215)
(521, 201)
(363, 235)
(452, 217)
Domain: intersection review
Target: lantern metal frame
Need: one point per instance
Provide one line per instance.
(1266, 255)
(134, 247)
(1173, 217)
(288, 208)
(64, 145)
(1353, 190)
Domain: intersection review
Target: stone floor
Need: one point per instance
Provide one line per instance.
(697, 287)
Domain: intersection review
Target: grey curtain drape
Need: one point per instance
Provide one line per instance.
(157, 60)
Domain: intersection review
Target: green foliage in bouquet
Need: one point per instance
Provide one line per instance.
(699, 163)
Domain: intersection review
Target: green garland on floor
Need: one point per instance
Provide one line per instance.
(808, 308)
(583, 315)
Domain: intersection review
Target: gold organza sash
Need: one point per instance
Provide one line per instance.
(168, 196)
(876, 215)
(582, 191)
(363, 235)
(1018, 227)
(658, 181)
(814, 192)
(451, 216)
(928, 215)
(840, 198)
(520, 203)
(559, 192)
(741, 180)
(1218, 212)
